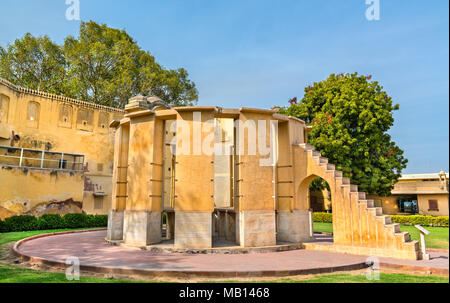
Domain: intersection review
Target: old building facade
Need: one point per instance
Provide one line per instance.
(56, 153)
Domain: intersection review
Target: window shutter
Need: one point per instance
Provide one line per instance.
(433, 205)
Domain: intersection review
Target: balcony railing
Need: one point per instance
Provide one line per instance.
(40, 159)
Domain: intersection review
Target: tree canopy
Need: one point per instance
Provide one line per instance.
(102, 65)
(351, 116)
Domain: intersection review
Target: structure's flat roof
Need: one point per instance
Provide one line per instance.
(421, 176)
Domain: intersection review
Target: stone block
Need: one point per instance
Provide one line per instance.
(141, 228)
(115, 225)
(257, 228)
(193, 229)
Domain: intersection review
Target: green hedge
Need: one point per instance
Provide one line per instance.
(27, 223)
(402, 219)
(421, 220)
(323, 217)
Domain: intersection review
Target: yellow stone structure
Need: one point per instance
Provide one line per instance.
(163, 166)
(56, 153)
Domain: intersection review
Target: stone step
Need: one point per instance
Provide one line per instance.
(368, 203)
(394, 226)
(385, 218)
(362, 195)
(334, 173)
(338, 174)
(345, 180)
(315, 153)
(353, 188)
(323, 160)
(306, 147)
(404, 235)
(331, 167)
(377, 211)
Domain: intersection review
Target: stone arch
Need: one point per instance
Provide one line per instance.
(65, 115)
(33, 114)
(303, 190)
(4, 108)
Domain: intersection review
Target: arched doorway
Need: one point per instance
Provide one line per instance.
(315, 195)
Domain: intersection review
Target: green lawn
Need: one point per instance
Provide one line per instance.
(349, 278)
(438, 237)
(15, 274)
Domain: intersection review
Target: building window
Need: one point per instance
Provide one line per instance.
(408, 204)
(433, 205)
(98, 202)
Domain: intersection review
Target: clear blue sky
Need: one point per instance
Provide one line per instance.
(261, 53)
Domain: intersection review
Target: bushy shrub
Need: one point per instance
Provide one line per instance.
(50, 221)
(21, 223)
(421, 220)
(323, 217)
(2, 226)
(100, 220)
(76, 220)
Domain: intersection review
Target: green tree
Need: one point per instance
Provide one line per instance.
(106, 66)
(34, 62)
(102, 65)
(351, 116)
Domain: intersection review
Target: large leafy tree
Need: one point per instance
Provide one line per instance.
(350, 118)
(34, 62)
(102, 65)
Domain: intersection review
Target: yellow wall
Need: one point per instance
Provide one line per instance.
(54, 123)
(442, 199)
(37, 192)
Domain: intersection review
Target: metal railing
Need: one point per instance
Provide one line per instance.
(40, 159)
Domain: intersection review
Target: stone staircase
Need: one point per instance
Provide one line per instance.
(359, 227)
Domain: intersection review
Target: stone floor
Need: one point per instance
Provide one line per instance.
(97, 255)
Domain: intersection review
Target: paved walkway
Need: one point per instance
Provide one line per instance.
(95, 254)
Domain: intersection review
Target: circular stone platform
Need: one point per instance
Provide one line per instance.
(96, 255)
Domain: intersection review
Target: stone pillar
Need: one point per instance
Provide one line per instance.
(256, 204)
(194, 184)
(142, 227)
(142, 216)
(119, 181)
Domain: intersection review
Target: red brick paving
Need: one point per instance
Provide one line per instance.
(94, 252)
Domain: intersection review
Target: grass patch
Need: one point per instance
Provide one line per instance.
(14, 274)
(320, 227)
(438, 237)
(349, 278)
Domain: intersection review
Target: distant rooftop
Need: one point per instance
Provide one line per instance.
(421, 176)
